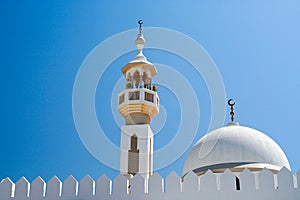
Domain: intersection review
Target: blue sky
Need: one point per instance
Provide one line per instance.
(254, 44)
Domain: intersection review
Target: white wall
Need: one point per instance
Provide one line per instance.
(262, 185)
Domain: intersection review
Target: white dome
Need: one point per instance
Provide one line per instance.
(235, 147)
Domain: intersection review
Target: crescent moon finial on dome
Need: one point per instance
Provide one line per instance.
(231, 103)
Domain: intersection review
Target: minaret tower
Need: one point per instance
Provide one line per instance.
(138, 104)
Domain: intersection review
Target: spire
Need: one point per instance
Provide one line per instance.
(140, 41)
(140, 61)
(231, 103)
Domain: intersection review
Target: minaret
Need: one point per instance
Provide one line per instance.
(138, 103)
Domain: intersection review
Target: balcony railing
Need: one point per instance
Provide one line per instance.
(139, 95)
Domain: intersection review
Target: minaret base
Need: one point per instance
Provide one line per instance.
(136, 150)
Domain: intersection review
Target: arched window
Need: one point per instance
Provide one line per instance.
(136, 77)
(133, 143)
(145, 80)
(133, 156)
(237, 183)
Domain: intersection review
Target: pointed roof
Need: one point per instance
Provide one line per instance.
(140, 60)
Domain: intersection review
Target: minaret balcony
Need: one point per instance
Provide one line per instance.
(138, 100)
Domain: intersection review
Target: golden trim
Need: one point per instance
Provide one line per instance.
(140, 107)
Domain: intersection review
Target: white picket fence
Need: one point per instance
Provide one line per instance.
(262, 185)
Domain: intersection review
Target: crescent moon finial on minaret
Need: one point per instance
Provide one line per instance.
(231, 103)
(140, 22)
